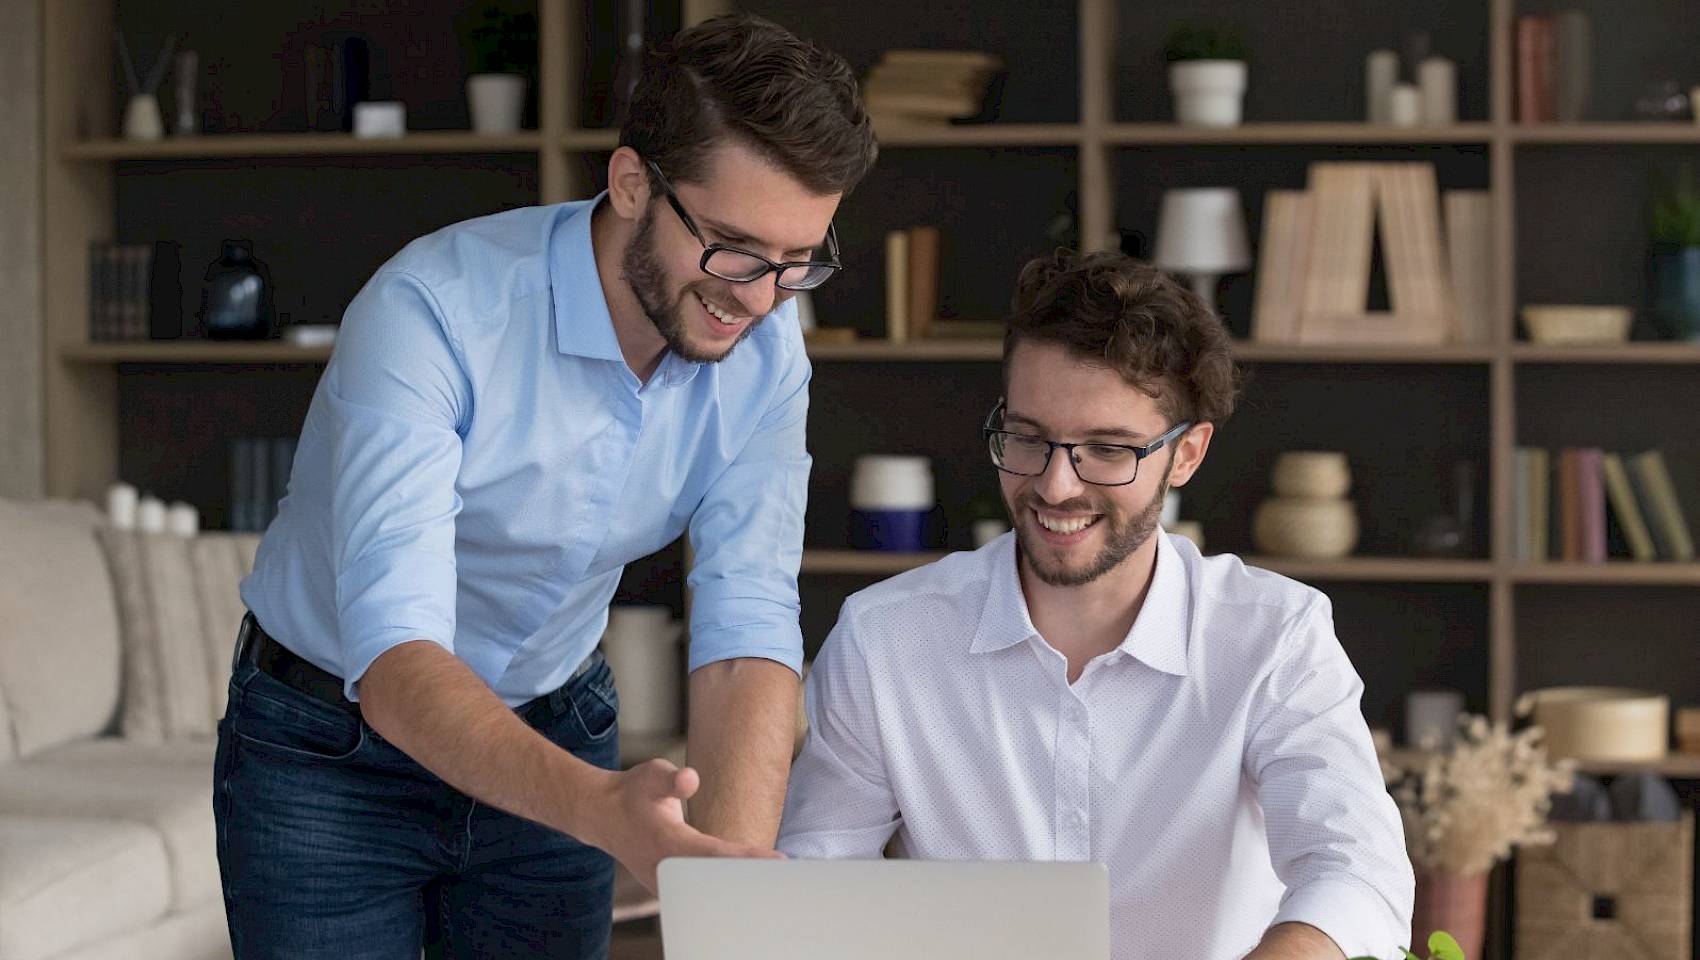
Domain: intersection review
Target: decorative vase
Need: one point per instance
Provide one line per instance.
(1319, 474)
(1674, 283)
(142, 118)
(496, 101)
(1208, 93)
(236, 303)
(1454, 903)
(1305, 528)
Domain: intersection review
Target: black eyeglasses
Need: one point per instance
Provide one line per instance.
(742, 266)
(1102, 464)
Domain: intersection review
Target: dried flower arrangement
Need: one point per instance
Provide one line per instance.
(1466, 808)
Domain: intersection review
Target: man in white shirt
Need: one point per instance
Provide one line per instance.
(1090, 688)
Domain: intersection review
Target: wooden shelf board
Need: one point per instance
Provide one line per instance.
(865, 562)
(1130, 134)
(1682, 766)
(299, 145)
(1639, 352)
(194, 352)
(978, 135)
(1253, 351)
(1605, 574)
(1383, 569)
(918, 350)
(590, 140)
(1606, 133)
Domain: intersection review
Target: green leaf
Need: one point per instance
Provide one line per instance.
(1411, 956)
(1441, 946)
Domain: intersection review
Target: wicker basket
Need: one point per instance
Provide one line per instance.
(1608, 891)
(1318, 474)
(1307, 529)
(1600, 724)
(1576, 323)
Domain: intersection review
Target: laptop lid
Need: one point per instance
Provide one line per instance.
(722, 909)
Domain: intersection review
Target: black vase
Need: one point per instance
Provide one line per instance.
(236, 303)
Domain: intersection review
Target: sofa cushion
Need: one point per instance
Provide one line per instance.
(58, 626)
(179, 610)
(66, 883)
(159, 787)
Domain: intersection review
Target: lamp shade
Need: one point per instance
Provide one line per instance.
(1202, 230)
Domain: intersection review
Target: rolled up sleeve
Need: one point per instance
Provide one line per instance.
(398, 398)
(747, 535)
(1335, 837)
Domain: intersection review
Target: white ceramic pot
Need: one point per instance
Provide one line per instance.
(1306, 529)
(142, 119)
(496, 101)
(1318, 474)
(892, 483)
(1208, 93)
(643, 649)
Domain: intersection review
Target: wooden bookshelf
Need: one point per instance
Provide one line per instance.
(190, 352)
(1678, 766)
(1604, 133)
(210, 146)
(1330, 134)
(1625, 353)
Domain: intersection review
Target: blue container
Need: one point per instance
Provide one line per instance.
(1674, 278)
(898, 531)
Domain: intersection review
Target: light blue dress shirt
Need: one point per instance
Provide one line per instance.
(479, 463)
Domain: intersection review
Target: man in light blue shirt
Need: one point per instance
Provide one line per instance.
(420, 735)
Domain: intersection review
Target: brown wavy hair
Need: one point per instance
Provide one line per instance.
(745, 78)
(1124, 314)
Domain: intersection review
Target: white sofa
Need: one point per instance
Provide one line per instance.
(114, 656)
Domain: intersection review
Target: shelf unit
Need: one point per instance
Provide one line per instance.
(1681, 766)
(83, 379)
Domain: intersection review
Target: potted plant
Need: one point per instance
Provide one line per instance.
(504, 49)
(1464, 810)
(1441, 946)
(1673, 264)
(1207, 75)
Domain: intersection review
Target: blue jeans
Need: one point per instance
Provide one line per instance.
(334, 844)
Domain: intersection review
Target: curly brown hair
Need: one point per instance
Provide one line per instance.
(1127, 315)
(739, 76)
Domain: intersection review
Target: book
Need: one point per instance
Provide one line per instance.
(1569, 507)
(897, 286)
(1590, 491)
(1520, 529)
(282, 462)
(1540, 504)
(1409, 204)
(1337, 281)
(1652, 481)
(1469, 261)
(1628, 511)
(1534, 69)
(924, 255)
(1572, 65)
(1282, 260)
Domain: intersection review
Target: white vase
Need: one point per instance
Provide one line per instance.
(1208, 93)
(142, 119)
(496, 101)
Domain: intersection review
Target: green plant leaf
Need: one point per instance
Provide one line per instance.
(1441, 946)
(1411, 956)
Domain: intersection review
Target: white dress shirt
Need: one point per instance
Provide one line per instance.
(1217, 760)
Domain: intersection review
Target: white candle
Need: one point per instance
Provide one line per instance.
(150, 515)
(182, 520)
(121, 501)
(1381, 72)
(1438, 79)
(1404, 105)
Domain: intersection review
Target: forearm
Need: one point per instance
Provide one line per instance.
(743, 716)
(1295, 941)
(428, 703)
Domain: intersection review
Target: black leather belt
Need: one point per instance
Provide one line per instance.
(283, 665)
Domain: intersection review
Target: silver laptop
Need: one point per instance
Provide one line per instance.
(887, 909)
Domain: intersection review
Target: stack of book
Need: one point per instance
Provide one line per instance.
(259, 478)
(912, 291)
(1316, 254)
(929, 86)
(1574, 505)
(1554, 66)
(135, 291)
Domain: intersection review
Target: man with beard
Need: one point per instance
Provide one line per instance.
(1089, 688)
(421, 735)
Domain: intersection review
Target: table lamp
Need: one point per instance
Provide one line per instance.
(1201, 233)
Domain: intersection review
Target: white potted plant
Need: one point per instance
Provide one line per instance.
(504, 46)
(1207, 75)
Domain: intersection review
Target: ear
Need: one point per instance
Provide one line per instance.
(1189, 453)
(628, 183)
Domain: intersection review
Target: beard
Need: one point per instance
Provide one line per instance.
(648, 280)
(1123, 534)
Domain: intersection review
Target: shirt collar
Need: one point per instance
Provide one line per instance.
(1159, 634)
(583, 325)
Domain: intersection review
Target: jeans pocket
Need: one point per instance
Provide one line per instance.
(272, 717)
(595, 707)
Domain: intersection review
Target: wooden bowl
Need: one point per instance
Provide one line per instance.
(1559, 324)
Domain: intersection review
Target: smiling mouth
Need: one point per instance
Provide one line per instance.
(1066, 525)
(725, 319)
